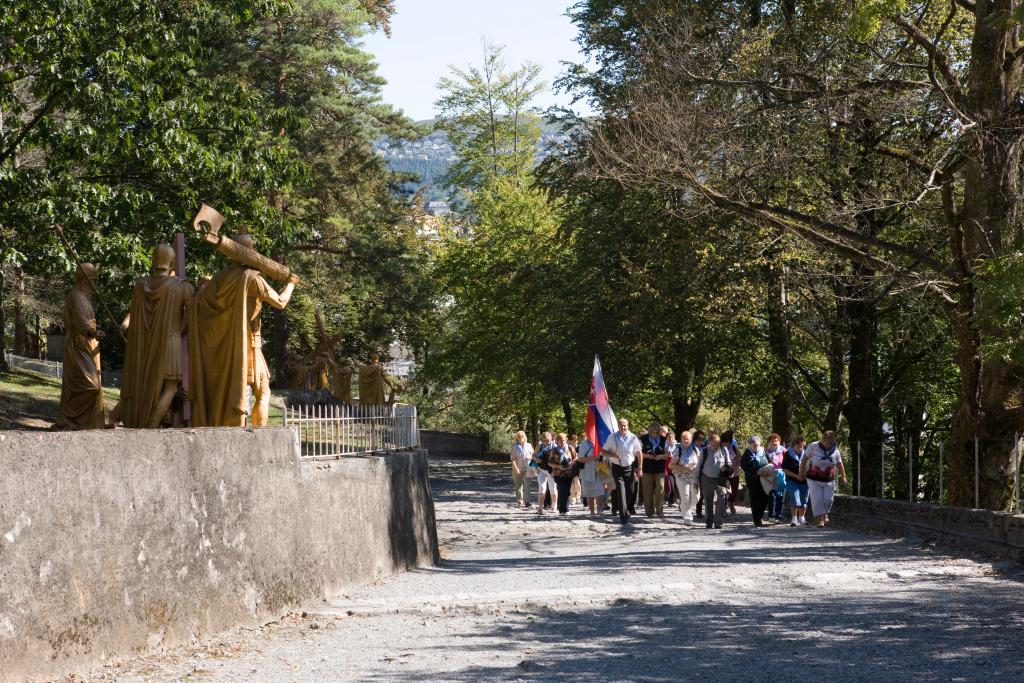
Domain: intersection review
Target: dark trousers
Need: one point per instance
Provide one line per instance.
(635, 489)
(758, 499)
(632, 493)
(775, 504)
(625, 491)
(734, 489)
(563, 484)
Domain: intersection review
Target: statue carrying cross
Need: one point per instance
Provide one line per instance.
(225, 340)
(310, 371)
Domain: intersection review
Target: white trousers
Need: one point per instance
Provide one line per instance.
(544, 479)
(687, 492)
(821, 494)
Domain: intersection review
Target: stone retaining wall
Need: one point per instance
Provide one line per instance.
(994, 533)
(114, 542)
(453, 444)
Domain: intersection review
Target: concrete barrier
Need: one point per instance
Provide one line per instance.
(993, 533)
(114, 542)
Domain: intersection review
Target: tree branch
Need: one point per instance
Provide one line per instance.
(955, 95)
(50, 102)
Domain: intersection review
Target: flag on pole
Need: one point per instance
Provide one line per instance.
(600, 422)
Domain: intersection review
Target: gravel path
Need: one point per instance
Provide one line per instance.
(520, 597)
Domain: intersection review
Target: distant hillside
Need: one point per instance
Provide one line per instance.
(431, 156)
(545, 125)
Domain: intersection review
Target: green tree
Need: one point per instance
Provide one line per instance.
(116, 123)
(742, 104)
(341, 221)
(487, 115)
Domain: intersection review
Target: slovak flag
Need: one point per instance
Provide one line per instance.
(600, 422)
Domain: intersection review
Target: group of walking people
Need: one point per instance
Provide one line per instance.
(699, 473)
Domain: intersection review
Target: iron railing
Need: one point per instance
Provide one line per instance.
(331, 431)
(55, 369)
(918, 473)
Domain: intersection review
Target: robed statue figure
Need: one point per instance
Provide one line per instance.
(153, 364)
(372, 380)
(226, 347)
(81, 393)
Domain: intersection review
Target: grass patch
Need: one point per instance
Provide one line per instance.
(32, 401)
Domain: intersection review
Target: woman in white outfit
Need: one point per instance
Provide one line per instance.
(683, 463)
(520, 456)
(590, 478)
(820, 464)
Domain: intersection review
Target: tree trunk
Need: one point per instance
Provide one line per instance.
(534, 429)
(836, 370)
(3, 322)
(989, 404)
(20, 317)
(684, 413)
(570, 426)
(780, 343)
(687, 396)
(863, 409)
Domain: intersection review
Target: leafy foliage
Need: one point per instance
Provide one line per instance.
(120, 118)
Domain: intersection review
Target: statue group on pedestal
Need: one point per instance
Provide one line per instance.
(203, 380)
(209, 374)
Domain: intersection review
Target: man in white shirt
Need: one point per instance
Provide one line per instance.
(625, 449)
(521, 454)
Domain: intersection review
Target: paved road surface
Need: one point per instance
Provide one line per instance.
(527, 598)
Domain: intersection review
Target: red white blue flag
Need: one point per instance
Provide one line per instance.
(600, 422)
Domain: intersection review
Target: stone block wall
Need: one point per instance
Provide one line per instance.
(994, 533)
(113, 542)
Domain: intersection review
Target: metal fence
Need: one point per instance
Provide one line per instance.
(918, 473)
(47, 368)
(328, 432)
(55, 369)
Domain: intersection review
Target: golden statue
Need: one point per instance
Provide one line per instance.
(308, 376)
(341, 384)
(153, 361)
(81, 393)
(372, 380)
(226, 347)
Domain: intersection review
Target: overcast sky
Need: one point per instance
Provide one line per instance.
(428, 35)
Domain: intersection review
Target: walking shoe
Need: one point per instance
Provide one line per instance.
(793, 523)
(718, 526)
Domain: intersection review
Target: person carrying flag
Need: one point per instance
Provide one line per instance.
(625, 449)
